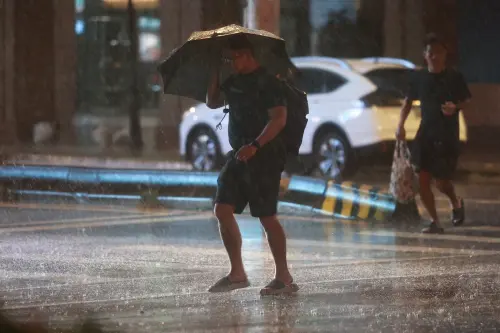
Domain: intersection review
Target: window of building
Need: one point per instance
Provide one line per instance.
(104, 75)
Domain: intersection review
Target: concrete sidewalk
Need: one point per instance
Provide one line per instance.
(93, 157)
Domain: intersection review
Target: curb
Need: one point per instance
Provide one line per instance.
(192, 190)
(95, 162)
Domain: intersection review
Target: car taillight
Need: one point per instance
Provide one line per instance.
(381, 98)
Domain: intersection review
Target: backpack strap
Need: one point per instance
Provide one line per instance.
(226, 111)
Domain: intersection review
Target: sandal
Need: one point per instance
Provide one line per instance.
(225, 285)
(433, 228)
(458, 214)
(277, 287)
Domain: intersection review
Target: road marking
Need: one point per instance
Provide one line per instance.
(249, 252)
(387, 277)
(85, 219)
(423, 211)
(195, 293)
(348, 262)
(393, 248)
(320, 219)
(454, 237)
(96, 280)
(122, 261)
(59, 277)
(93, 280)
(491, 228)
(86, 207)
(473, 201)
(108, 223)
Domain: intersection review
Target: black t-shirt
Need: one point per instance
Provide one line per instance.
(433, 90)
(250, 96)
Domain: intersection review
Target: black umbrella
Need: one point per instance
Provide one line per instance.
(186, 72)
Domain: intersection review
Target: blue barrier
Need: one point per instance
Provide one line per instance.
(346, 199)
(108, 176)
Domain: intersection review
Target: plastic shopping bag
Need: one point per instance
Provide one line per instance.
(404, 181)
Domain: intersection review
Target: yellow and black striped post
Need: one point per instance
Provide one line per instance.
(346, 200)
(359, 201)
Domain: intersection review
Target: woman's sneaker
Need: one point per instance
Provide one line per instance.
(458, 214)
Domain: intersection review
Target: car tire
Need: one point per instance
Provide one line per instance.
(333, 156)
(203, 150)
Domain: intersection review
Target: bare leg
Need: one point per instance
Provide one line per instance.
(231, 237)
(277, 242)
(446, 187)
(427, 196)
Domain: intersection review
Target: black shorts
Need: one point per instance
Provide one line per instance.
(436, 158)
(256, 184)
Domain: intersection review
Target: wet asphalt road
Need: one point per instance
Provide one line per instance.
(148, 271)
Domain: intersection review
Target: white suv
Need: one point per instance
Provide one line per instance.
(354, 107)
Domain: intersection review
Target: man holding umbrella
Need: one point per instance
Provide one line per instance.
(259, 133)
(252, 173)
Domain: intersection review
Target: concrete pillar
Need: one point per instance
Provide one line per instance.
(441, 17)
(217, 13)
(33, 65)
(250, 16)
(404, 29)
(7, 113)
(65, 67)
(392, 29)
(179, 18)
(37, 67)
(268, 15)
(408, 21)
(415, 31)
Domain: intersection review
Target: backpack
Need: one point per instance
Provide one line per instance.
(297, 111)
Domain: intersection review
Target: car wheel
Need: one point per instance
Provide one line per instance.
(333, 156)
(203, 150)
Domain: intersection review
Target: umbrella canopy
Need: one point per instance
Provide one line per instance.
(187, 70)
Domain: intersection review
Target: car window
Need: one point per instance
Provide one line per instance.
(316, 81)
(393, 81)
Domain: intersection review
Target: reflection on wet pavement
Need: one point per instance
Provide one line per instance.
(149, 272)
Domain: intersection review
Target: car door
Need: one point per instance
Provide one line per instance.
(326, 100)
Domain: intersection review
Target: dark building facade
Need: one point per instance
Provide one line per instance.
(37, 66)
(61, 58)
